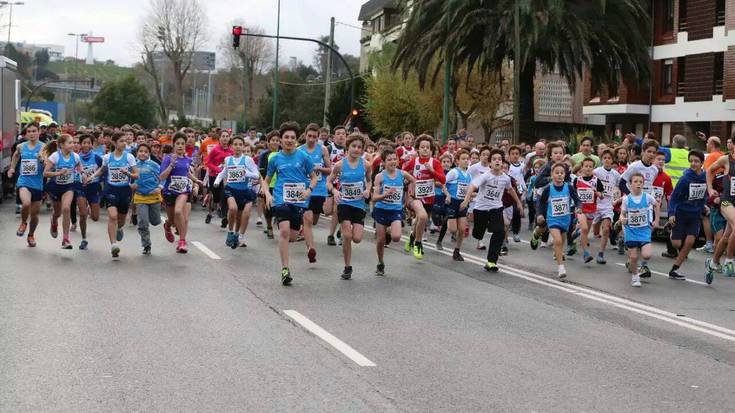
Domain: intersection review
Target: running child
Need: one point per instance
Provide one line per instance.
(490, 187)
(322, 168)
(557, 204)
(609, 176)
(61, 165)
(30, 180)
(639, 214)
(589, 190)
(354, 188)
(388, 190)
(147, 195)
(458, 181)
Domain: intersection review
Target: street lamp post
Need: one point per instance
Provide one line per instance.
(275, 74)
(10, 18)
(77, 36)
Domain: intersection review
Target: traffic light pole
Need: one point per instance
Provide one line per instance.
(275, 73)
(336, 53)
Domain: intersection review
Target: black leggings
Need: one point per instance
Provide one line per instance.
(490, 221)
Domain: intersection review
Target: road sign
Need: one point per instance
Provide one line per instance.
(93, 39)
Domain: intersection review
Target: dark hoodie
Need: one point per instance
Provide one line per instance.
(690, 194)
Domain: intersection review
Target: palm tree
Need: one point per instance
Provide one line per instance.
(607, 37)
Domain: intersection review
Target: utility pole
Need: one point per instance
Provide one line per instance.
(209, 95)
(275, 73)
(517, 72)
(76, 74)
(245, 85)
(328, 88)
(447, 78)
(10, 18)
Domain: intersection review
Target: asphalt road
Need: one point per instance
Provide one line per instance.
(213, 330)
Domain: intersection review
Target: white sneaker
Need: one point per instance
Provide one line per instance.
(241, 240)
(481, 245)
(635, 281)
(259, 222)
(562, 272)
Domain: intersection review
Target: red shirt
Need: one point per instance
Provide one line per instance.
(417, 169)
(404, 154)
(215, 158)
(663, 181)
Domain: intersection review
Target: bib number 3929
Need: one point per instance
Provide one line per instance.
(424, 188)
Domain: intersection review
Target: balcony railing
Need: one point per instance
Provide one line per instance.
(720, 19)
(680, 89)
(682, 25)
(718, 87)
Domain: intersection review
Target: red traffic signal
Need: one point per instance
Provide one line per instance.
(236, 33)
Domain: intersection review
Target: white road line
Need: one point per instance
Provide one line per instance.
(601, 297)
(206, 250)
(667, 275)
(333, 341)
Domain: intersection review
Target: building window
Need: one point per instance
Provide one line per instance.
(719, 73)
(667, 77)
(681, 69)
(720, 13)
(682, 15)
(668, 16)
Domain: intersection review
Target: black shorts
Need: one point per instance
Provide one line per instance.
(291, 213)
(686, 224)
(242, 196)
(215, 190)
(56, 191)
(118, 197)
(36, 194)
(349, 213)
(487, 221)
(386, 217)
(454, 211)
(170, 199)
(316, 204)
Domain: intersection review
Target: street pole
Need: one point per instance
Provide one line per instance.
(516, 72)
(275, 73)
(209, 95)
(328, 87)
(447, 78)
(76, 75)
(10, 18)
(245, 86)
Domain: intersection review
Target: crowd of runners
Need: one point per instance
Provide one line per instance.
(604, 197)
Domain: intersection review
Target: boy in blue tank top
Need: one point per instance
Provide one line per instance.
(354, 178)
(322, 168)
(29, 161)
(458, 180)
(557, 204)
(639, 214)
(388, 190)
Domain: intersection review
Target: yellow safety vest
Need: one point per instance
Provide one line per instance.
(678, 163)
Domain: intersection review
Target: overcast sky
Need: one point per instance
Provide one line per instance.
(49, 21)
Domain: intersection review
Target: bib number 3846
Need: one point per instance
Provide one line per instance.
(292, 192)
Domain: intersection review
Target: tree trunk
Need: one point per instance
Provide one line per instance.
(179, 87)
(526, 115)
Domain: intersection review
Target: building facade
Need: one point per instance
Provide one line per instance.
(693, 76)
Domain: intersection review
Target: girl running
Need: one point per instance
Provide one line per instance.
(30, 180)
(88, 196)
(354, 181)
(178, 175)
(388, 189)
(121, 167)
(60, 167)
(238, 172)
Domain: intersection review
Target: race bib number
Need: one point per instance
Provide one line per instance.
(395, 197)
(608, 188)
(658, 193)
(351, 190)
(424, 188)
(637, 218)
(28, 167)
(559, 207)
(178, 184)
(117, 175)
(88, 171)
(493, 193)
(732, 186)
(65, 179)
(586, 195)
(697, 191)
(462, 190)
(293, 191)
(236, 174)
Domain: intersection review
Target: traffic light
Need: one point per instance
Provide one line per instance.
(236, 33)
